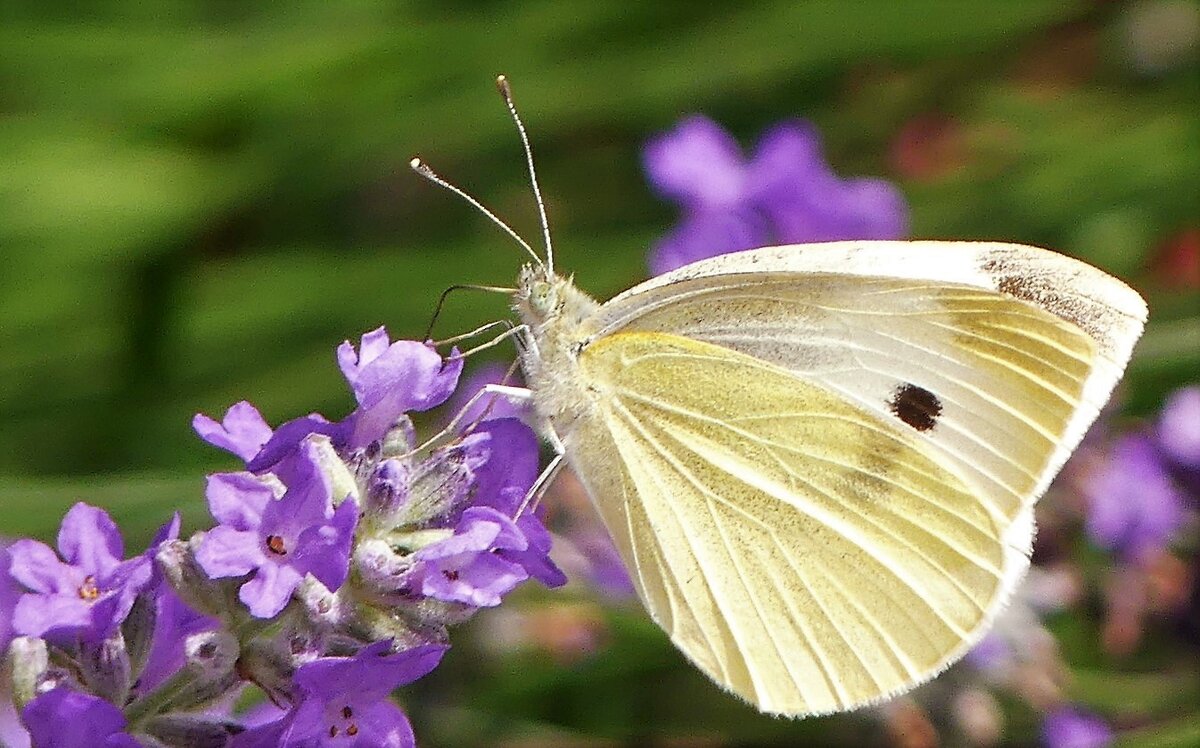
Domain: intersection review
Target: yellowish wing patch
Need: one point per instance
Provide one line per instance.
(804, 552)
(1008, 379)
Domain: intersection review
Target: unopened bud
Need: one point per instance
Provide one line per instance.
(342, 485)
(191, 731)
(29, 660)
(212, 597)
(211, 654)
(138, 628)
(269, 667)
(105, 669)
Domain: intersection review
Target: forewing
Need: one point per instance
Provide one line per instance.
(996, 357)
(804, 552)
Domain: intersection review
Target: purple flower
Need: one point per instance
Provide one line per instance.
(344, 701)
(1068, 727)
(510, 464)
(1179, 427)
(67, 719)
(9, 594)
(279, 450)
(389, 379)
(1134, 507)
(11, 732)
(174, 621)
(786, 193)
(487, 556)
(279, 540)
(243, 431)
(88, 592)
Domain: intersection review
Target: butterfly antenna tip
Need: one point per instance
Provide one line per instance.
(420, 167)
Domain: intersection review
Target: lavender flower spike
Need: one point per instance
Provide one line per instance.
(279, 540)
(88, 592)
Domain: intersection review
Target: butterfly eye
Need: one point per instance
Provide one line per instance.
(543, 297)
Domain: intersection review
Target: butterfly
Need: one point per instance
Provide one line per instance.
(819, 462)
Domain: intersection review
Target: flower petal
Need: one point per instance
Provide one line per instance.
(287, 437)
(44, 615)
(371, 674)
(237, 499)
(1133, 505)
(36, 566)
(270, 589)
(1179, 426)
(789, 158)
(371, 347)
(697, 164)
(478, 579)
(89, 539)
(511, 467)
(243, 430)
(324, 550)
(384, 724)
(226, 552)
(64, 718)
(407, 376)
(705, 234)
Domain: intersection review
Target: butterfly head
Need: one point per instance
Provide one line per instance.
(540, 294)
(544, 298)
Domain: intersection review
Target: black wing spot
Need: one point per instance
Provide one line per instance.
(916, 406)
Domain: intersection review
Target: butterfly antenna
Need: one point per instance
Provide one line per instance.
(423, 169)
(506, 92)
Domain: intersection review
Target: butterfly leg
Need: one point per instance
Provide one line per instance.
(516, 395)
(534, 495)
(518, 332)
(507, 324)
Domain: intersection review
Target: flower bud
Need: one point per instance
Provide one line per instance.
(341, 481)
(387, 492)
(30, 662)
(443, 482)
(374, 624)
(138, 628)
(190, 731)
(269, 667)
(212, 597)
(380, 571)
(399, 440)
(211, 654)
(105, 669)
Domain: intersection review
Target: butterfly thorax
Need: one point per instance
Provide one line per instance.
(561, 322)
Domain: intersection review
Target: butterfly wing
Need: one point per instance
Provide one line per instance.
(840, 513)
(999, 356)
(805, 553)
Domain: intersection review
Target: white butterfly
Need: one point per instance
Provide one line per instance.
(819, 462)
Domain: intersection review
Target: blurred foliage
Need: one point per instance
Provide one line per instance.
(198, 200)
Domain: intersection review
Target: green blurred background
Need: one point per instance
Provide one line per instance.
(199, 200)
